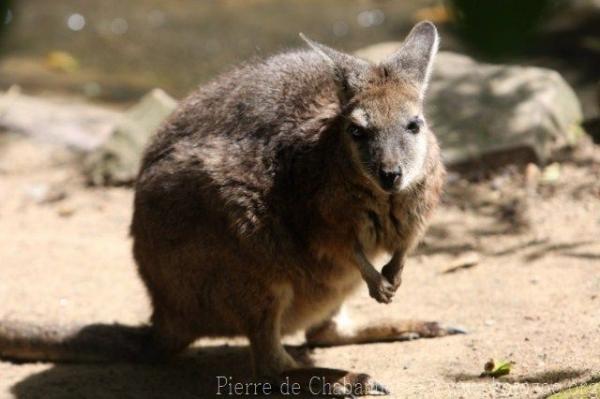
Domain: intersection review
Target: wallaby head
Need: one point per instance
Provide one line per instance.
(383, 123)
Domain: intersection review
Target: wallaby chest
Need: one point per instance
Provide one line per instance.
(379, 230)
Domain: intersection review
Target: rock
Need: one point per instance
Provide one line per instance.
(77, 125)
(66, 211)
(495, 114)
(117, 161)
(551, 173)
(114, 140)
(42, 193)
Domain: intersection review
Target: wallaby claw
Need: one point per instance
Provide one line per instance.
(455, 330)
(433, 329)
(370, 388)
(381, 290)
(379, 389)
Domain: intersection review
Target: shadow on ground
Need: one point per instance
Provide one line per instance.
(193, 375)
(546, 377)
(190, 376)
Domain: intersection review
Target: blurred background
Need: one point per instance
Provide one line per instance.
(115, 50)
(512, 255)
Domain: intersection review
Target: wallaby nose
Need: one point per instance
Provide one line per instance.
(389, 178)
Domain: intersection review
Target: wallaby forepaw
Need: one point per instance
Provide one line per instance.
(382, 290)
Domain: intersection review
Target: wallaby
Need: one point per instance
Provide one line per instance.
(265, 199)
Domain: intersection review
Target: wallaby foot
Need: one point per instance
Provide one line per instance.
(271, 362)
(329, 382)
(339, 331)
(268, 354)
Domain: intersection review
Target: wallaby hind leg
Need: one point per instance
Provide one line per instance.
(339, 330)
(269, 357)
(271, 360)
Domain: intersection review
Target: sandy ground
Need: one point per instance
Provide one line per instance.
(533, 297)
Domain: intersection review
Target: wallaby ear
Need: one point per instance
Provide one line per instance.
(414, 59)
(349, 70)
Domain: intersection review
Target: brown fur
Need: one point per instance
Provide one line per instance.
(252, 199)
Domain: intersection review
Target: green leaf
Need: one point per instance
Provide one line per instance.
(496, 368)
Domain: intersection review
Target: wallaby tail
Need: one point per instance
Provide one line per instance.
(26, 342)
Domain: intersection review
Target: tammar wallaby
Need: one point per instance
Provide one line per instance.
(263, 202)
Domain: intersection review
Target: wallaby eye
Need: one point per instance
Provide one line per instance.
(414, 126)
(357, 132)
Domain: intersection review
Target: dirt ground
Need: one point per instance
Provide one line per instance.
(531, 298)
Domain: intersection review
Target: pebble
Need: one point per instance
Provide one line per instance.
(42, 193)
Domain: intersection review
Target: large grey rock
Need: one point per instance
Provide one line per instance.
(495, 113)
(117, 161)
(58, 120)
